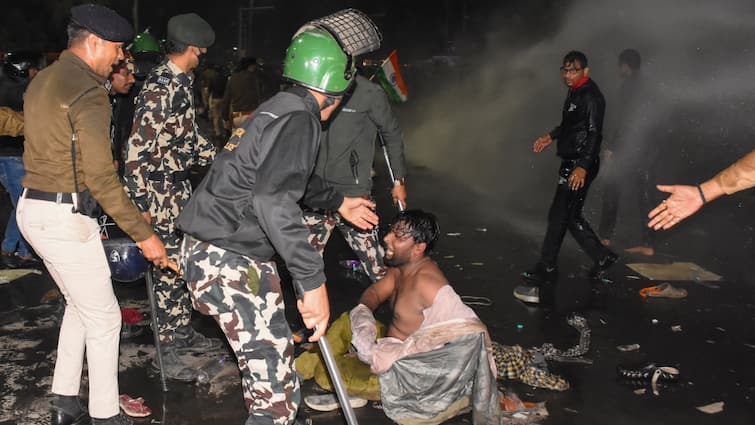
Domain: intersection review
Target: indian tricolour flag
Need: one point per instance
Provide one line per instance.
(389, 76)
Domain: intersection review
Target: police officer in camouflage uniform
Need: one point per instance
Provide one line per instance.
(247, 207)
(345, 162)
(164, 144)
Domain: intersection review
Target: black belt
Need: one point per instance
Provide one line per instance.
(174, 178)
(58, 197)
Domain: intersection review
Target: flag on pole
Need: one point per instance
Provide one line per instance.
(389, 76)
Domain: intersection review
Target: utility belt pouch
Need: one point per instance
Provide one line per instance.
(87, 205)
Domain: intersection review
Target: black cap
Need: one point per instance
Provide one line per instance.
(102, 22)
(190, 29)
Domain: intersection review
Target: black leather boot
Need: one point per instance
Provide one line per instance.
(67, 410)
(118, 419)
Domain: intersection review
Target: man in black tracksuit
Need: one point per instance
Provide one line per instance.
(578, 145)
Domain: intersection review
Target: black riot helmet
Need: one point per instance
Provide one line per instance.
(18, 64)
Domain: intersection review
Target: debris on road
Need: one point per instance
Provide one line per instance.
(628, 347)
(712, 408)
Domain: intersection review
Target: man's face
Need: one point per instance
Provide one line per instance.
(325, 113)
(196, 52)
(122, 80)
(105, 54)
(573, 72)
(398, 245)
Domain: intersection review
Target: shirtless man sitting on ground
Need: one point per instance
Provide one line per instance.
(413, 280)
(419, 293)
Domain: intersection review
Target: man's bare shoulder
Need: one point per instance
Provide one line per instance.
(429, 280)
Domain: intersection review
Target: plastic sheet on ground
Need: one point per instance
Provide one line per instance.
(675, 271)
(712, 408)
(9, 275)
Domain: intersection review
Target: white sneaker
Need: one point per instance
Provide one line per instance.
(528, 294)
(329, 402)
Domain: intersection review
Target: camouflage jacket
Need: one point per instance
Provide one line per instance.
(164, 143)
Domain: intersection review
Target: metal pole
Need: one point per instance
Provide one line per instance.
(390, 168)
(241, 32)
(153, 307)
(250, 34)
(335, 376)
(135, 15)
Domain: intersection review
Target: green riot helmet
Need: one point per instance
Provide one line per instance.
(145, 42)
(315, 60)
(146, 52)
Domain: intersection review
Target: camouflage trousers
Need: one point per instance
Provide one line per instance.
(365, 244)
(171, 295)
(244, 296)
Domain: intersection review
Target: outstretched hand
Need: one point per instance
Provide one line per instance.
(359, 212)
(683, 202)
(541, 143)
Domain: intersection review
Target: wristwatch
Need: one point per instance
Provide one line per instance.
(399, 181)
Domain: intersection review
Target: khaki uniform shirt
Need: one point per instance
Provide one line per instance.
(241, 94)
(11, 122)
(48, 104)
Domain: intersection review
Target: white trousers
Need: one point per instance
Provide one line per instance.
(70, 245)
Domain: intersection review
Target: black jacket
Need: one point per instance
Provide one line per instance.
(348, 143)
(581, 131)
(249, 201)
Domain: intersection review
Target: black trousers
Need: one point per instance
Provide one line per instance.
(640, 178)
(566, 214)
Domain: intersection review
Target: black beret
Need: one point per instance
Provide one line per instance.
(190, 29)
(102, 22)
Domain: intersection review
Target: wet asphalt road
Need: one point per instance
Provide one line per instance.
(482, 256)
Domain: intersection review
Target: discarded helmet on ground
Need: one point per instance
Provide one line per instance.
(126, 261)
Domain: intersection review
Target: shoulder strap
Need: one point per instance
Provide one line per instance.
(73, 136)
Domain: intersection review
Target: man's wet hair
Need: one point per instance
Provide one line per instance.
(576, 56)
(421, 225)
(630, 58)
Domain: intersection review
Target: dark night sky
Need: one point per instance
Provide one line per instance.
(417, 29)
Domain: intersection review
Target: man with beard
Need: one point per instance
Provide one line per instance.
(430, 328)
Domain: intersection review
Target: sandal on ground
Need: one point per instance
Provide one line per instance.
(329, 402)
(664, 290)
(134, 407)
